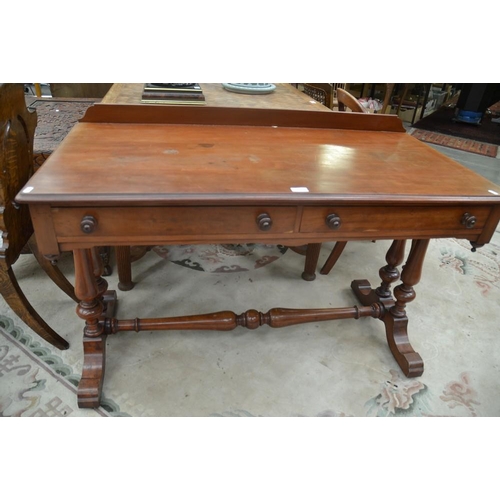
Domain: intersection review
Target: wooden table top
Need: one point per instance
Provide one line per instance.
(284, 97)
(165, 163)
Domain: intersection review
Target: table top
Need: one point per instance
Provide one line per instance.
(103, 163)
(284, 97)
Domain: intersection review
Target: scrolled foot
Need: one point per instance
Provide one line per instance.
(90, 386)
(409, 361)
(364, 292)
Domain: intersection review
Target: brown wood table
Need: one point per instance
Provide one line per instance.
(151, 175)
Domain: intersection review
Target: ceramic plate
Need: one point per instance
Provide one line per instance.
(250, 88)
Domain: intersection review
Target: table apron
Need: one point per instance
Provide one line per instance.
(289, 225)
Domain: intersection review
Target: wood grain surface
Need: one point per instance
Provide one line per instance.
(150, 164)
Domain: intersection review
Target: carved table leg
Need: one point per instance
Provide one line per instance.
(312, 256)
(90, 288)
(389, 274)
(395, 319)
(396, 322)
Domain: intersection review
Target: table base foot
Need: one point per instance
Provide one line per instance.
(90, 386)
(396, 329)
(94, 359)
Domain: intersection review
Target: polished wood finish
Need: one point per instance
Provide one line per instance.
(153, 183)
(17, 130)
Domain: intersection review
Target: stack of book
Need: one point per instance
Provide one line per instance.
(172, 93)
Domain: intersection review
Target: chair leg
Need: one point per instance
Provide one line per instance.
(124, 267)
(53, 272)
(312, 255)
(15, 298)
(105, 253)
(333, 257)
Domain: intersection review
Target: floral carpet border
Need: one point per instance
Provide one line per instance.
(50, 362)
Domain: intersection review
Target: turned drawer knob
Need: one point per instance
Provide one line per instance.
(333, 221)
(468, 220)
(264, 222)
(88, 224)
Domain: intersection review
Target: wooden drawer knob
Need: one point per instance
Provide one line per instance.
(264, 222)
(468, 220)
(333, 221)
(88, 224)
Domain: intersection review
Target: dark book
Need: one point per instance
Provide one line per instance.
(183, 102)
(172, 95)
(159, 87)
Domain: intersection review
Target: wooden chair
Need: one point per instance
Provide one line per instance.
(17, 130)
(345, 100)
(324, 93)
(321, 92)
(336, 87)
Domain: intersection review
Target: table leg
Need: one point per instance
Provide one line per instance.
(395, 318)
(94, 304)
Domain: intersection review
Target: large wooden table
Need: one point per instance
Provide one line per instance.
(149, 175)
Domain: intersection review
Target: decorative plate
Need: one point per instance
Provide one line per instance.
(250, 88)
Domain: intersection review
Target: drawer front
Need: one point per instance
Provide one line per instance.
(358, 222)
(78, 223)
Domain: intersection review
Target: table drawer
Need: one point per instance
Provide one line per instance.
(182, 221)
(379, 221)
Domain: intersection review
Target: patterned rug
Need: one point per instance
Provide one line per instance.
(441, 121)
(307, 370)
(460, 143)
(35, 381)
(222, 258)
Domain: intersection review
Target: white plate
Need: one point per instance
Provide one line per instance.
(250, 88)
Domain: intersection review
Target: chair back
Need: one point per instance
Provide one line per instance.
(17, 133)
(347, 100)
(321, 92)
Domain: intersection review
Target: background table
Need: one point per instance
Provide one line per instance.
(284, 97)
